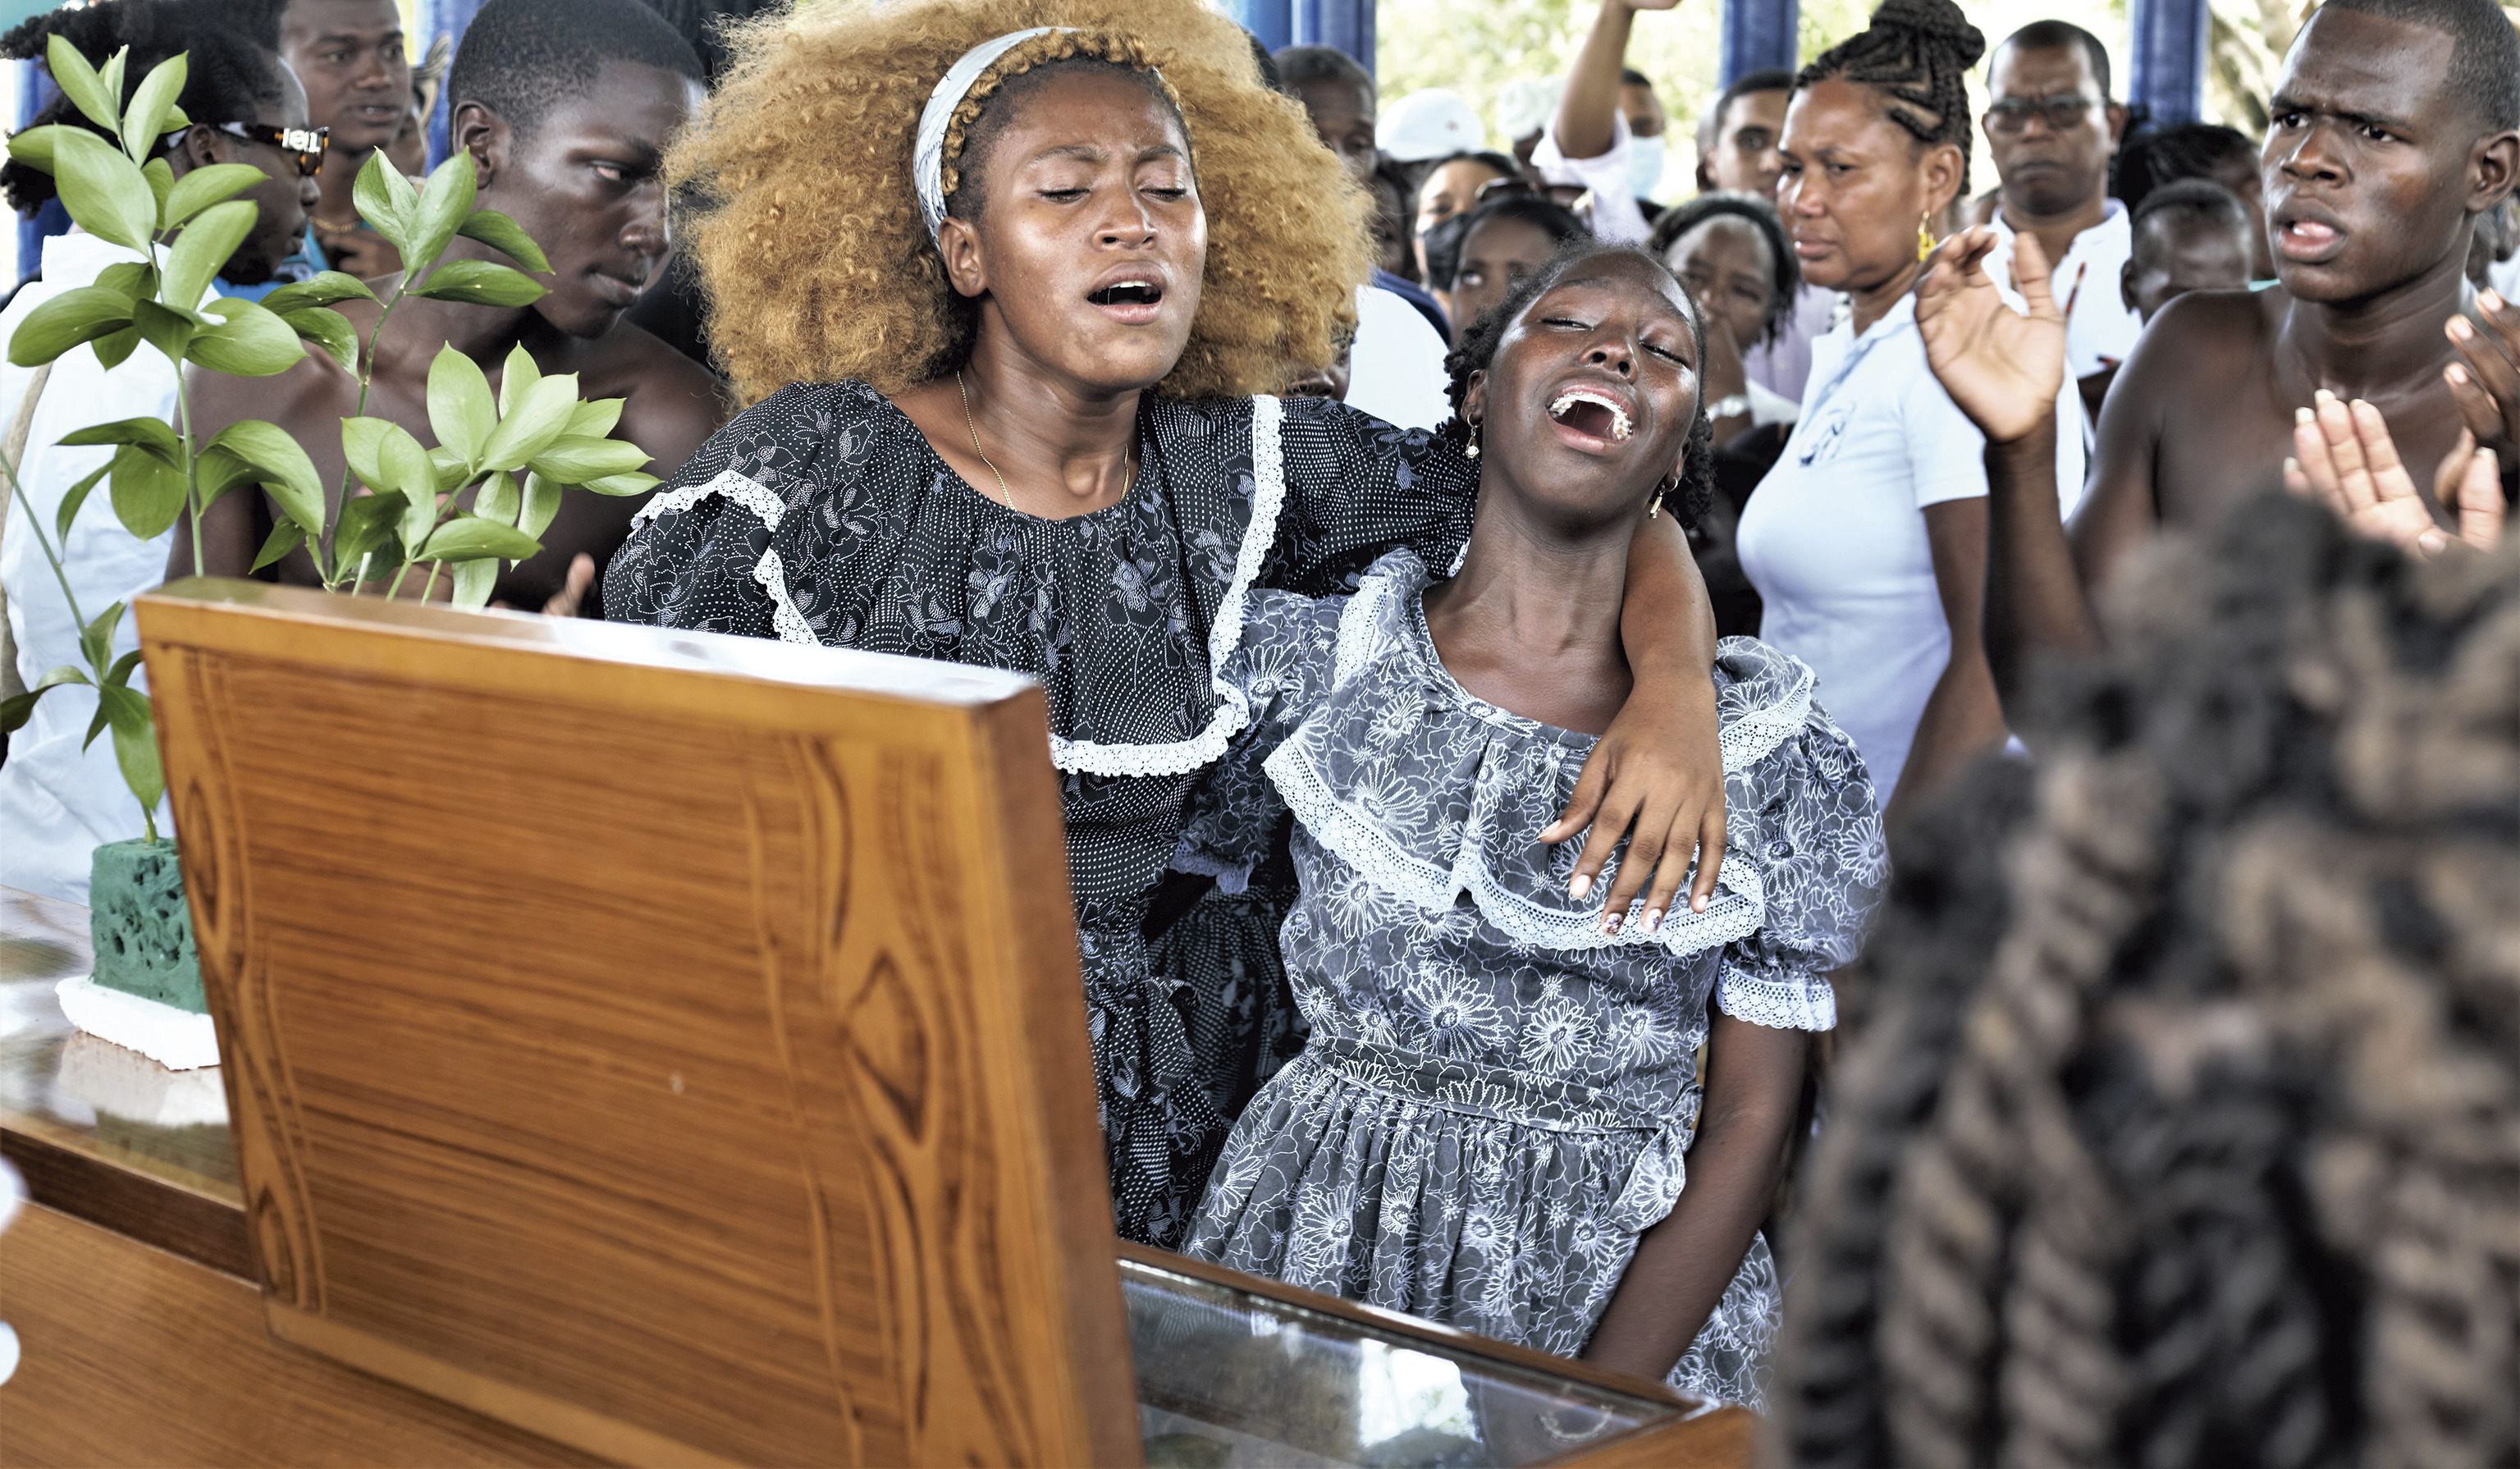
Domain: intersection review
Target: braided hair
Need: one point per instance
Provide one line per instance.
(1693, 488)
(232, 65)
(1917, 53)
(2183, 1125)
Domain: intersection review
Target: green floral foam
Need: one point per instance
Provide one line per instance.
(142, 931)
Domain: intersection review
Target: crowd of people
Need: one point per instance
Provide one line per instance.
(1526, 660)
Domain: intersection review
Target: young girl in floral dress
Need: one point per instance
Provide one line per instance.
(1500, 1099)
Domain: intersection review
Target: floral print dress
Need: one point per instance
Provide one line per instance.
(821, 515)
(1496, 1097)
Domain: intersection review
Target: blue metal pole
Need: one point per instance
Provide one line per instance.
(1345, 24)
(1758, 34)
(1272, 21)
(2165, 38)
(444, 18)
(35, 92)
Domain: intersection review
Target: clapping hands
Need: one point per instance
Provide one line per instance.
(2002, 367)
(2343, 455)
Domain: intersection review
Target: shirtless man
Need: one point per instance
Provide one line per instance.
(349, 54)
(567, 107)
(2395, 124)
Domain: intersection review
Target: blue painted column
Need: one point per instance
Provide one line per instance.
(1272, 21)
(1343, 24)
(2166, 40)
(442, 18)
(1758, 34)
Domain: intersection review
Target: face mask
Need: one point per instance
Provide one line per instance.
(1645, 166)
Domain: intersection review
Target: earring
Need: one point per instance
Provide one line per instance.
(1925, 237)
(1472, 452)
(1660, 490)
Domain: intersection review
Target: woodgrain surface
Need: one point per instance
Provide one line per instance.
(134, 1357)
(673, 1034)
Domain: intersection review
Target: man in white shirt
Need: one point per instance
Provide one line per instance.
(2051, 131)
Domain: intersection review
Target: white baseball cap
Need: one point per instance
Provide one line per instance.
(1430, 125)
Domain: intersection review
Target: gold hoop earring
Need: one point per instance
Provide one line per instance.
(1924, 236)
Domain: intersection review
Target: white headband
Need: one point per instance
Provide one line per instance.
(927, 154)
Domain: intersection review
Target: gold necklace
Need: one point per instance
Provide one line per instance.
(1128, 464)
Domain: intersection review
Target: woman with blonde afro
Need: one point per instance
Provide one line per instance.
(1007, 286)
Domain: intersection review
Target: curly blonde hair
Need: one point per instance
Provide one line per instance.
(815, 261)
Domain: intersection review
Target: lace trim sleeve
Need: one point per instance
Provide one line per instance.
(1782, 1000)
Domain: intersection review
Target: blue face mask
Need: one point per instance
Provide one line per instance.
(1645, 166)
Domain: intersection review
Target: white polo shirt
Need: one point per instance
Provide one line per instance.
(1834, 537)
(2101, 328)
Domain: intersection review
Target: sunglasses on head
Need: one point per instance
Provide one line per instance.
(307, 144)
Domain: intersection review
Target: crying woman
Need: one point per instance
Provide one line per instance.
(1499, 1120)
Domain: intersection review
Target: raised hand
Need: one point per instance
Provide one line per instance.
(2002, 367)
(2485, 383)
(2344, 458)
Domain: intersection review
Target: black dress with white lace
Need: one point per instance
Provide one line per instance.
(1496, 1097)
(821, 515)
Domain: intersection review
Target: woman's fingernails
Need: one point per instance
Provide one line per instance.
(2459, 329)
(2456, 373)
(2322, 398)
(1578, 888)
(2431, 542)
(2490, 300)
(2292, 466)
(2304, 416)
(1654, 920)
(1609, 923)
(1697, 905)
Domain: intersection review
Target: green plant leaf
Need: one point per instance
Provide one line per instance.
(367, 523)
(285, 537)
(143, 122)
(407, 469)
(35, 147)
(321, 289)
(541, 415)
(104, 191)
(469, 537)
(113, 349)
(596, 418)
(460, 411)
(168, 330)
(131, 278)
(498, 500)
(96, 639)
(361, 439)
(206, 186)
(148, 492)
(215, 472)
(285, 470)
(444, 201)
(541, 501)
(75, 497)
(452, 469)
(480, 282)
(19, 709)
(135, 744)
(386, 201)
(63, 322)
(516, 377)
(328, 329)
(97, 725)
(79, 83)
(161, 182)
(250, 343)
(506, 237)
(574, 459)
(149, 433)
(475, 581)
(110, 76)
(203, 246)
(119, 675)
(620, 487)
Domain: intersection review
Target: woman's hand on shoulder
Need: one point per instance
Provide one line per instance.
(2002, 367)
(1657, 778)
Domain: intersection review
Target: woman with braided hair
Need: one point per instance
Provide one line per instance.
(1003, 279)
(1867, 540)
(2186, 1131)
